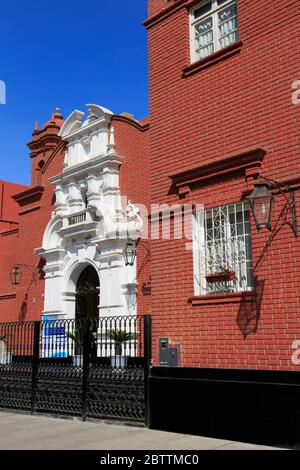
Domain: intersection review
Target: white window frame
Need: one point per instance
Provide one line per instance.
(236, 245)
(215, 9)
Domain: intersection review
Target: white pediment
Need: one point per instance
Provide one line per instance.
(72, 123)
(86, 135)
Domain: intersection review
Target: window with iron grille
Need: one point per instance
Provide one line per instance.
(214, 25)
(222, 242)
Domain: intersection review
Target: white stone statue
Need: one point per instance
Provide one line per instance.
(133, 212)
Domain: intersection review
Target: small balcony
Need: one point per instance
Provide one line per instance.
(77, 218)
(81, 224)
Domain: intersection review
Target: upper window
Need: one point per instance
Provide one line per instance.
(214, 25)
(222, 249)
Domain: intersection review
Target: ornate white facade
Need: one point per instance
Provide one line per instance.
(91, 222)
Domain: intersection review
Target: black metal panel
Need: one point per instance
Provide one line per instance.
(59, 390)
(81, 367)
(16, 385)
(115, 388)
(16, 365)
(256, 406)
(116, 393)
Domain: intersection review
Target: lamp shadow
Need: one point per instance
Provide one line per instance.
(38, 274)
(249, 312)
(23, 311)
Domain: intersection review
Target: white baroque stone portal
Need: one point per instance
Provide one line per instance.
(89, 226)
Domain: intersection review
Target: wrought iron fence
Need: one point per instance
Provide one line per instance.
(86, 367)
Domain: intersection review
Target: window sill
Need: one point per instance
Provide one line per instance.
(212, 59)
(228, 297)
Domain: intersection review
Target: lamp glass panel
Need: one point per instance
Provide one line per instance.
(262, 209)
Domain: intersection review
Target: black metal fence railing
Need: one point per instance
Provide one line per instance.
(86, 367)
(16, 339)
(16, 353)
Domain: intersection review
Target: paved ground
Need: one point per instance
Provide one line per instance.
(26, 432)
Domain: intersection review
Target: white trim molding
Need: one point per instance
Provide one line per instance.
(213, 26)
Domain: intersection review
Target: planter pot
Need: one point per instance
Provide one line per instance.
(220, 277)
(119, 361)
(77, 360)
(2, 347)
(6, 358)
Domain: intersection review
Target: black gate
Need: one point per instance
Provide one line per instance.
(84, 367)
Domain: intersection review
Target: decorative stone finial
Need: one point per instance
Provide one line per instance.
(57, 113)
(111, 146)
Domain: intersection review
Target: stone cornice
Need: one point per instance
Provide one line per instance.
(169, 10)
(165, 13)
(45, 139)
(52, 251)
(76, 171)
(248, 161)
(29, 196)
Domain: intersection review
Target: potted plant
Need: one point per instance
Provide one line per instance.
(224, 274)
(119, 337)
(77, 337)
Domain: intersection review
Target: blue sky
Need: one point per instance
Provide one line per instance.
(67, 54)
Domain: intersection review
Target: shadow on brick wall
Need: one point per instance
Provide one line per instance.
(249, 312)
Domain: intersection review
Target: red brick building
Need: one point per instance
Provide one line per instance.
(221, 75)
(221, 118)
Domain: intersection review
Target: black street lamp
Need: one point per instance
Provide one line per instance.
(261, 203)
(16, 276)
(130, 253)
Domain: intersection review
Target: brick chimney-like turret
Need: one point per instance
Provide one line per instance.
(44, 142)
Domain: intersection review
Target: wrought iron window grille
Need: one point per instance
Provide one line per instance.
(224, 240)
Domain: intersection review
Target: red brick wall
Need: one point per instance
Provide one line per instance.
(155, 6)
(239, 102)
(17, 247)
(8, 207)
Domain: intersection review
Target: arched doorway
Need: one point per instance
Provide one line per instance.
(87, 294)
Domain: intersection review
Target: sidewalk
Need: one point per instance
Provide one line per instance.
(26, 432)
